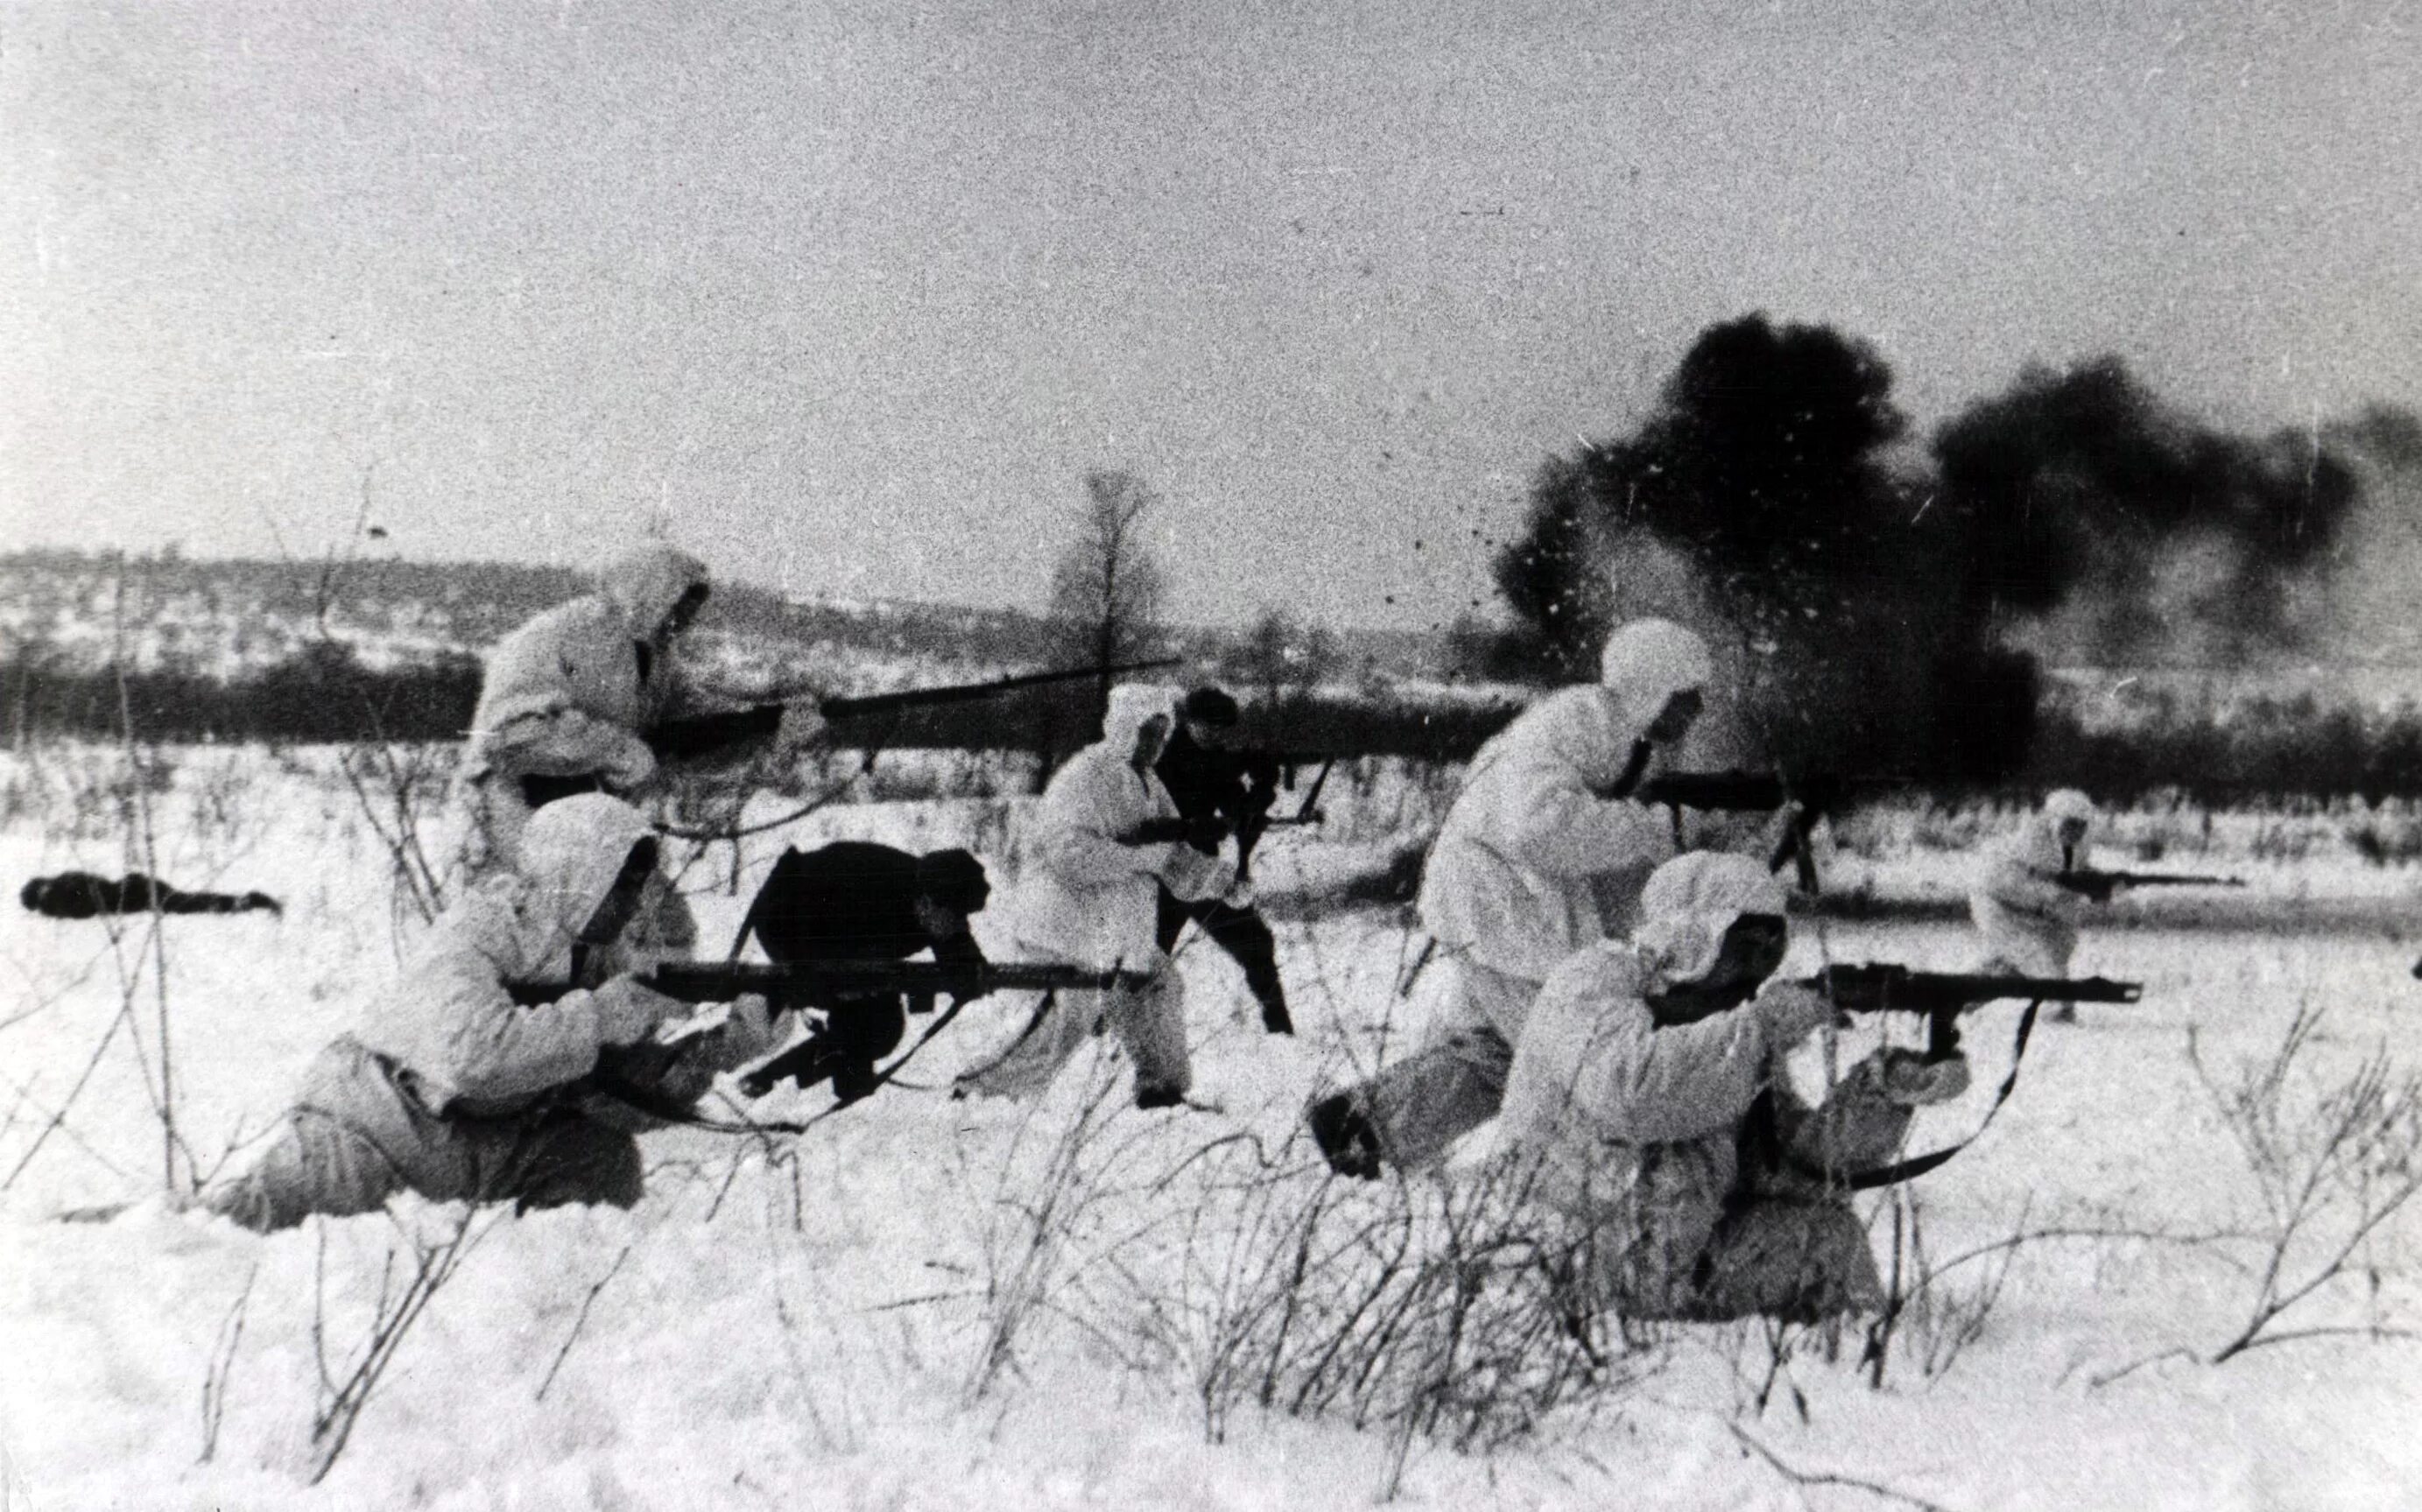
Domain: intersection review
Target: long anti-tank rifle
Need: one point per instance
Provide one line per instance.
(698, 734)
(820, 983)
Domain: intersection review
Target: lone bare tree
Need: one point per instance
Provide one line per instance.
(1108, 588)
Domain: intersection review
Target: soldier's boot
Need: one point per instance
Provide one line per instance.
(1347, 1137)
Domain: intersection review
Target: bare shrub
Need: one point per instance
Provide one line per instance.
(1939, 1316)
(417, 1267)
(221, 1367)
(400, 790)
(1042, 1224)
(1444, 1311)
(2335, 1157)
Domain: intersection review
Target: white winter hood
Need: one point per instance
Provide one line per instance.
(1644, 663)
(646, 583)
(1131, 705)
(1689, 904)
(2041, 838)
(572, 853)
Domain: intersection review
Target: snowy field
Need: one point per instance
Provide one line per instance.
(927, 1305)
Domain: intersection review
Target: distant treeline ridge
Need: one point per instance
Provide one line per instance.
(2287, 745)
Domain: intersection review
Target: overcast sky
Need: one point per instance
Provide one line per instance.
(853, 295)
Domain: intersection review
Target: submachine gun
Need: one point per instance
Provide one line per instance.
(1879, 987)
(1813, 797)
(1271, 771)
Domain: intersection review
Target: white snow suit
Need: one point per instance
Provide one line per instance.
(451, 1088)
(1086, 898)
(1532, 859)
(568, 694)
(1634, 1131)
(2028, 920)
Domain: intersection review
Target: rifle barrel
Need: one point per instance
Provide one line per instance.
(1889, 988)
(2175, 879)
(863, 706)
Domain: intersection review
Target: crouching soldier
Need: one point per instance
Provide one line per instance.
(854, 900)
(452, 1089)
(2023, 908)
(589, 697)
(1543, 838)
(1648, 1094)
(1095, 860)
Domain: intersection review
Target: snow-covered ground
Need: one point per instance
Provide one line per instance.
(921, 1303)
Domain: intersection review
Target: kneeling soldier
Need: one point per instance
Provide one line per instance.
(1649, 1089)
(452, 1089)
(853, 901)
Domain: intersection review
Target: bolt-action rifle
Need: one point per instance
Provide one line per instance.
(1875, 987)
(2098, 886)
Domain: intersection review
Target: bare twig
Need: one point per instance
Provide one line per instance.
(1807, 1478)
(391, 1321)
(580, 1321)
(222, 1367)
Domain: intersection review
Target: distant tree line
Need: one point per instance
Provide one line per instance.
(2268, 748)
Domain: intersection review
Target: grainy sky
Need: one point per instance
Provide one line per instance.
(853, 295)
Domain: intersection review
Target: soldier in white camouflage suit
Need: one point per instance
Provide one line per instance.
(1088, 893)
(452, 1089)
(1543, 842)
(1648, 1103)
(2027, 918)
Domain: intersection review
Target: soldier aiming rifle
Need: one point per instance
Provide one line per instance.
(2032, 889)
(1217, 789)
(858, 902)
(2101, 887)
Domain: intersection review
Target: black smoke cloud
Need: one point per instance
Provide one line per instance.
(1885, 608)
(2122, 532)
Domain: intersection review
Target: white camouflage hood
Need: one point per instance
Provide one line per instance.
(2041, 838)
(1645, 664)
(1131, 705)
(572, 852)
(647, 582)
(1689, 904)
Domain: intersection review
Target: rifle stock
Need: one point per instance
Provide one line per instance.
(1886, 987)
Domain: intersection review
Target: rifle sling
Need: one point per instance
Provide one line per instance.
(1918, 1165)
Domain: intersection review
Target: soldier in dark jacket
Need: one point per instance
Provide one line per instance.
(855, 901)
(86, 895)
(1206, 779)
